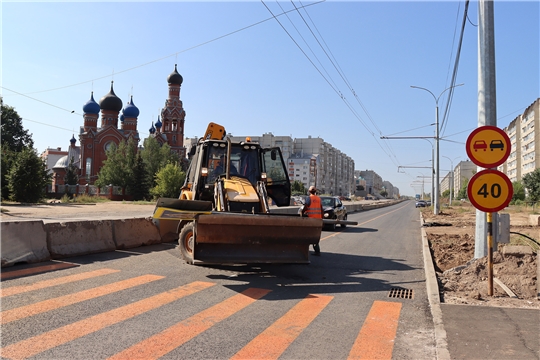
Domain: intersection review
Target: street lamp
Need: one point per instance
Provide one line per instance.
(436, 204)
(452, 172)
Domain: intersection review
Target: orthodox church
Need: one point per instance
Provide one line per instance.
(119, 124)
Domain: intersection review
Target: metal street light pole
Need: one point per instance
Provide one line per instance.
(436, 207)
(451, 184)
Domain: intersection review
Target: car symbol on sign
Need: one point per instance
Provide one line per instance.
(496, 144)
(479, 145)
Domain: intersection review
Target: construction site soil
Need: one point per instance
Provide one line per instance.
(464, 279)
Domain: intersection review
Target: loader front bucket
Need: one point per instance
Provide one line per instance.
(255, 238)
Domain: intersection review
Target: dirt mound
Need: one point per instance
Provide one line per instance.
(463, 279)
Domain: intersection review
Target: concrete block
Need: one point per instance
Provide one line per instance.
(517, 250)
(79, 238)
(130, 233)
(534, 220)
(23, 241)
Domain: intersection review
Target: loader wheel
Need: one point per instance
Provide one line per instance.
(344, 219)
(186, 241)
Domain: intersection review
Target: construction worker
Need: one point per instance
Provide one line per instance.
(313, 209)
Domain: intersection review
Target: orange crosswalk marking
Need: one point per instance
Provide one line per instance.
(53, 282)
(37, 344)
(171, 338)
(376, 337)
(8, 274)
(271, 343)
(53, 304)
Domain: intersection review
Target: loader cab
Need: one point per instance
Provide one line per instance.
(278, 185)
(247, 160)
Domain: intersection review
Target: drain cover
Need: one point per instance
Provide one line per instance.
(400, 293)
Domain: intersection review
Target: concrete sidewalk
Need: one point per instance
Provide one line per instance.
(480, 332)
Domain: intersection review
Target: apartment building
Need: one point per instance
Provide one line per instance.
(524, 134)
(374, 182)
(463, 172)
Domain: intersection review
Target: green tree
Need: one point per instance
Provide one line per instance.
(446, 193)
(118, 168)
(72, 173)
(519, 191)
(155, 156)
(8, 157)
(169, 181)
(383, 193)
(531, 182)
(298, 188)
(13, 135)
(140, 189)
(462, 193)
(27, 177)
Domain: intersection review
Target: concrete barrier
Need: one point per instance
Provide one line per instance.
(534, 220)
(130, 233)
(79, 238)
(23, 241)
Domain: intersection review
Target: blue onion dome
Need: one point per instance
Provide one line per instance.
(152, 130)
(175, 77)
(110, 101)
(121, 117)
(91, 106)
(73, 140)
(158, 123)
(131, 111)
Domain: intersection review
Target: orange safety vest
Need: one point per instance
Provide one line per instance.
(313, 210)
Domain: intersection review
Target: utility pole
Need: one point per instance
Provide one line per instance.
(487, 102)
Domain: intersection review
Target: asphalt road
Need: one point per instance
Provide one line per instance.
(365, 297)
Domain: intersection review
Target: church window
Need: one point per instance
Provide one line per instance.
(88, 166)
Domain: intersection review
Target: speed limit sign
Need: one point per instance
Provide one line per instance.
(490, 190)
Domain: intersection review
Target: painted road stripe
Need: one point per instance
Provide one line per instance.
(376, 337)
(56, 303)
(173, 337)
(53, 282)
(37, 344)
(272, 342)
(365, 222)
(7, 274)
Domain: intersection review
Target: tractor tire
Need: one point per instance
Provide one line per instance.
(186, 242)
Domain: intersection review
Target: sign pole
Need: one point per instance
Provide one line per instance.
(490, 252)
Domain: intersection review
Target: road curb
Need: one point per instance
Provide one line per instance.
(432, 289)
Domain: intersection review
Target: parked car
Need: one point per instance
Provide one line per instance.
(421, 203)
(333, 208)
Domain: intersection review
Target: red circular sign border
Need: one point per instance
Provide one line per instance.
(496, 129)
(504, 177)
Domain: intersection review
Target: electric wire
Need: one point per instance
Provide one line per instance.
(456, 67)
(335, 63)
(174, 54)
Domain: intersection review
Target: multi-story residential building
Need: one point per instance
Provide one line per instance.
(374, 182)
(391, 191)
(463, 172)
(524, 134)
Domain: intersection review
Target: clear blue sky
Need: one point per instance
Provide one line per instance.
(257, 80)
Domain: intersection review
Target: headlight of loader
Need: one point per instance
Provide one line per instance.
(326, 215)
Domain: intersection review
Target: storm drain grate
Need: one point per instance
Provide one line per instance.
(400, 293)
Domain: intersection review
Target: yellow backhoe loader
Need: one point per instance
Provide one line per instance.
(223, 213)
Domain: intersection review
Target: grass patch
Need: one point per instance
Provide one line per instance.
(83, 199)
